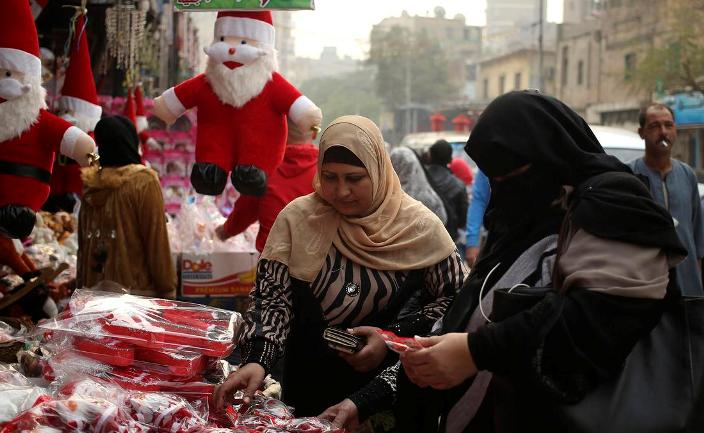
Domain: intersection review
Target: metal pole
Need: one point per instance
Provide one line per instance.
(541, 73)
(409, 127)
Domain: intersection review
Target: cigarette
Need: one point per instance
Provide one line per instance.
(664, 143)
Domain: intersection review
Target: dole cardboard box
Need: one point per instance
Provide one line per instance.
(220, 279)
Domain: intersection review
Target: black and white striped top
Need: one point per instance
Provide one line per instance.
(348, 294)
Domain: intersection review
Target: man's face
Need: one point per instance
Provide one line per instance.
(659, 127)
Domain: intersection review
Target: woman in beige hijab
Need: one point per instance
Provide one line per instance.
(349, 256)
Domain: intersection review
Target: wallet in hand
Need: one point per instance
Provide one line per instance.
(339, 339)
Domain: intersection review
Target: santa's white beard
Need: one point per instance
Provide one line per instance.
(238, 86)
(19, 114)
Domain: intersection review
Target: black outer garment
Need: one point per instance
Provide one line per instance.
(316, 377)
(118, 142)
(538, 344)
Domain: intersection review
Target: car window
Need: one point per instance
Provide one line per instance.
(625, 155)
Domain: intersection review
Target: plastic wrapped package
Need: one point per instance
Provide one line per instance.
(17, 394)
(157, 411)
(164, 412)
(149, 322)
(268, 415)
(84, 415)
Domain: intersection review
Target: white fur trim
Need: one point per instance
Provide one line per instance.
(68, 143)
(142, 123)
(22, 61)
(246, 27)
(300, 107)
(172, 102)
(80, 106)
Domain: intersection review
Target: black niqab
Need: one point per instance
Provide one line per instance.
(522, 127)
(118, 142)
(530, 128)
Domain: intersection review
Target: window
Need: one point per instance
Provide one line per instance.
(565, 65)
(629, 66)
(580, 72)
(502, 84)
(450, 33)
(471, 72)
(517, 81)
(485, 88)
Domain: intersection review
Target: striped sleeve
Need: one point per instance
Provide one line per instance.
(267, 321)
(441, 282)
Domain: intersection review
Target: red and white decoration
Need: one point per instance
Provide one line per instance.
(242, 101)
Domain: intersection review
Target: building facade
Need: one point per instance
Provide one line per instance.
(460, 42)
(516, 70)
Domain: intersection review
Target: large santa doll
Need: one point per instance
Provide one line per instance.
(79, 106)
(242, 106)
(30, 136)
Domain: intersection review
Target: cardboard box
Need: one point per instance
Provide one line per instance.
(217, 274)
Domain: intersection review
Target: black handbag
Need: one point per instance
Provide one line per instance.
(661, 386)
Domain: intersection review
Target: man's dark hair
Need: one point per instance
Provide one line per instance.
(441, 153)
(645, 108)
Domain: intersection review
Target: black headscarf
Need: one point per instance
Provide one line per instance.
(527, 127)
(118, 142)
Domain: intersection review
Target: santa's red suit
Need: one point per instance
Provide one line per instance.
(254, 134)
(26, 161)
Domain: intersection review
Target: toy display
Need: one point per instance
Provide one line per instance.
(242, 106)
(30, 135)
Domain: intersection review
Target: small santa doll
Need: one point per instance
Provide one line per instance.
(79, 106)
(242, 106)
(30, 136)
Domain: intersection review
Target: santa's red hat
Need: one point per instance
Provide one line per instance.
(253, 25)
(19, 44)
(129, 110)
(79, 94)
(141, 114)
(37, 7)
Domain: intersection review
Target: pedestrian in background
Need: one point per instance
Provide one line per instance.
(414, 181)
(481, 193)
(673, 184)
(451, 189)
(122, 225)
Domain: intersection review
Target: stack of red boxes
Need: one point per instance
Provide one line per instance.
(143, 343)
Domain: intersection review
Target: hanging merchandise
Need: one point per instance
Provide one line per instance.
(243, 104)
(30, 136)
(244, 4)
(124, 25)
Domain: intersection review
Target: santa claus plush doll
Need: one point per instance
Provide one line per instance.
(30, 136)
(79, 106)
(145, 138)
(242, 106)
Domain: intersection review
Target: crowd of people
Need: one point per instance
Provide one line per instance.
(359, 238)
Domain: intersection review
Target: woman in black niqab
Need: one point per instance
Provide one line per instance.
(545, 167)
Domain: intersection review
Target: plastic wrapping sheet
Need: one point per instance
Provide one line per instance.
(194, 227)
(75, 415)
(268, 415)
(148, 323)
(17, 394)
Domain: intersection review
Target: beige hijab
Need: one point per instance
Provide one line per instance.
(399, 233)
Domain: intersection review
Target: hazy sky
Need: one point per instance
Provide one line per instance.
(346, 23)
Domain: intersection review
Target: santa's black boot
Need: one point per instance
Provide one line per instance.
(16, 222)
(249, 180)
(208, 179)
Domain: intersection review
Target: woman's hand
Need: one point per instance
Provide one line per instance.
(249, 378)
(443, 363)
(343, 414)
(371, 355)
